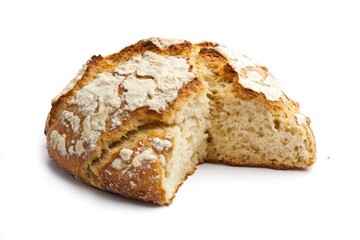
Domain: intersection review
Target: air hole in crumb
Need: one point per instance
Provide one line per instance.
(276, 124)
(286, 141)
(114, 144)
(96, 160)
(211, 97)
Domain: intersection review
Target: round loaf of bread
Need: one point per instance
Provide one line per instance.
(138, 122)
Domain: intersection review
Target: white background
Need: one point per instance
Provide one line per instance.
(311, 46)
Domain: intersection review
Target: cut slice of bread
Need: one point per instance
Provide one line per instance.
(139, 121)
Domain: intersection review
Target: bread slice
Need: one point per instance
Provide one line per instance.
(139, 121)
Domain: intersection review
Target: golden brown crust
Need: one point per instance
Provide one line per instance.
(144, 182)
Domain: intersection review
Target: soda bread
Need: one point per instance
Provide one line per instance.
(138, 122)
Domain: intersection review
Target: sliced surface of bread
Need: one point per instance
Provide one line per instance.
(138, 122)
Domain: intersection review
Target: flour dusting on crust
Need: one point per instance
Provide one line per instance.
(148, 80)
(160, 144)
(165, 42)
(252, 76)
(151, 80)
(69, 118)
(57, 141)
(125, 154)
(145, 155)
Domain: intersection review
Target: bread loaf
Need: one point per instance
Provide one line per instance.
(137, 122)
